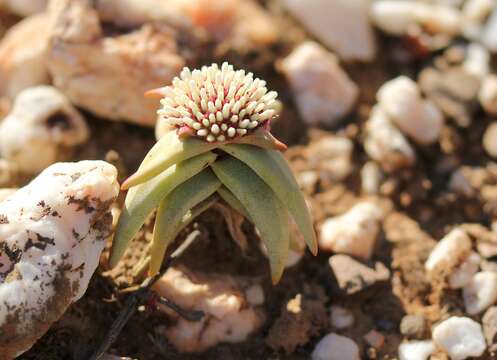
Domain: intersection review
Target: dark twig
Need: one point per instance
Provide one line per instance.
(140, 296)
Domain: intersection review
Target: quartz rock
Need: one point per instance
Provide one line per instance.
(336, 347)
(341, 25)
(419, 119)
(341, 318)
(40, 129)
(23, 7)
(481, 292)
(353, 233)
(416, 350)
(52, 232)
(385, 143)
(229, 317)
(323, 91)
(23, 55)
(451, 250)
(460, 337)
(108, 74)
(463, 274)
(488, 94)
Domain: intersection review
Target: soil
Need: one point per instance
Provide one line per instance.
(421, 210)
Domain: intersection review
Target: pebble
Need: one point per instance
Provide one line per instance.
(371, 177)
(23, 55)
(322, 89)
(341, 25)
(23, 7)
(353, 276)
(413, 326)
(396, 17)
(229, 317)
(488, 94)
(353, 233)
(489, 34)
(341, 318)
(107, 74)
(6, 192)
(477, 60)
(462, 275)
(416, 350)
(52, 232)
(331, 156)
(336, 347)
(385, 143)
(489, 322)
(417, 118)
(460, 337)
(474, 15)
(449, 251)
(41, 129)
(481, 292)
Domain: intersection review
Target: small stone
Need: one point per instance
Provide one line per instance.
(450, 251)
(341, 25)
(460, 337)
(23, 7)
(486, 249)
(341, 318)
(336, 347)
(454, 91)
(488, 94)
(23, 53)
(228, 317)
(353, 233)
(396, 17)
(417, 118)
(413, 326)
(475, 13)
(477, 61)
(481, 292)
(52, 232)
(489, 322)
(489, 35)
(255, 295)
(323, 91)
(371, 176)
(353, 276)
(416, 350)
(41, 129)
(462, 275)
(331, 155)
(385, 144)
(374, 339)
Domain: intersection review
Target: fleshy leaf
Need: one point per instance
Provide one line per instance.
(232, 201)
(261, 138)
(172, 210)
(267, 212)
(169, 150)
(142, 199)
(272, 167)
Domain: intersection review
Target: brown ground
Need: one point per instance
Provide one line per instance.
(423, 211)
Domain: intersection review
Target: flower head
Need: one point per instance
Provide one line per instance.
(217, 104)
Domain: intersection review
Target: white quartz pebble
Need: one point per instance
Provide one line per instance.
(489, 34)
(463, 274)
(416, 350)
(335, 347)
(477, 60)
(323, 91)
(52, 232)
(396, 17)
(341, 25)
(40, 129)
(419, 119)
(341, 318)
(460, 337)
(385, 143)
(488, 94)
(452, 249)
(481, 292)
(490, 140)
(353, 233)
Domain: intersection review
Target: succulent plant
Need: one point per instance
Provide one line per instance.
(219, 147)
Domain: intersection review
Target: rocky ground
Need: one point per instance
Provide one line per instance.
(390, 122)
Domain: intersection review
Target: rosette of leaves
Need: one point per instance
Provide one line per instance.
(219, 147)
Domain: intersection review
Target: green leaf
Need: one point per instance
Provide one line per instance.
(267, 212)
(272, 167)
(169, 150)
(261, 138)
(172, 210)
(232, 201)
(142, 199)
